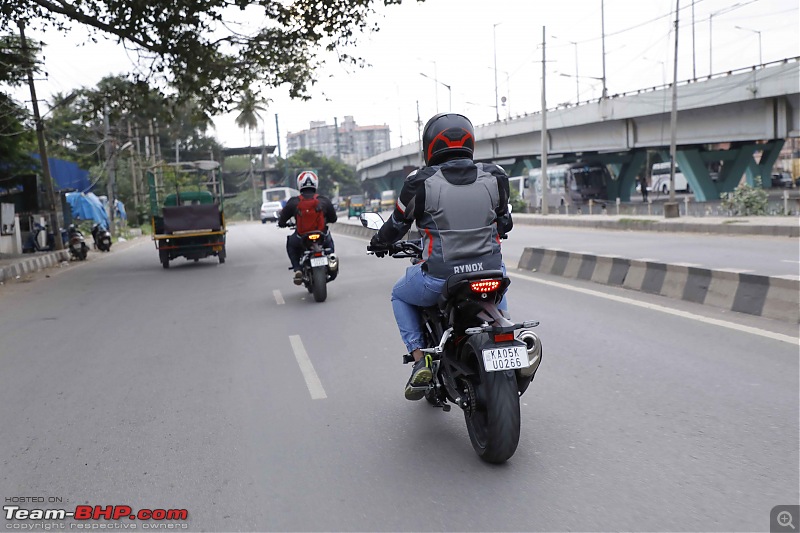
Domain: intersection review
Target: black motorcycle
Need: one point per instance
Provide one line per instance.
(102, 238)
(481, 361)
(77, 244)
(319, 264)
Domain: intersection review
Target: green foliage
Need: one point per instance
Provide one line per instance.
(248, 107)
(330, 171)
(14, 62)
(206, 49)
(16, 142)
(241, 206)
(518, 204)
(746, 200)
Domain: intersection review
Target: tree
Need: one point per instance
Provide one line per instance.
(248, 107)
(189, 45)
(16, 141)
(331, 172)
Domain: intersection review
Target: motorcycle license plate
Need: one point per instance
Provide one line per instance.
(505, 358)
(319, 261)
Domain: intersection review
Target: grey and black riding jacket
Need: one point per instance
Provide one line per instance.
(461, 211)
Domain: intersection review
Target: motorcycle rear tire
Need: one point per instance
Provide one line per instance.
(319, 287)
(494, 425)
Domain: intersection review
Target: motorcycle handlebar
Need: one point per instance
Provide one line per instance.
(399, 249)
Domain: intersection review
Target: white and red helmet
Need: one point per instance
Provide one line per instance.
(307, 180)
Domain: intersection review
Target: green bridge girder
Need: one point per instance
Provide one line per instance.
(694, 162)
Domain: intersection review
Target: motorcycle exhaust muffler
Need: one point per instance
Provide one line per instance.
(533, 345)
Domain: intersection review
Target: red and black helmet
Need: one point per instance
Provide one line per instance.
(447, 136)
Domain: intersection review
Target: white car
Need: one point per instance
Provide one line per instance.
(273, 200)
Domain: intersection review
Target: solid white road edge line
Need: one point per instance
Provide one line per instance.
(309, 374)
(667, 310)
(278, 297)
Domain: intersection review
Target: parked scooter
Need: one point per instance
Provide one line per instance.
(32, 244)
(77, 244)
(102, 238)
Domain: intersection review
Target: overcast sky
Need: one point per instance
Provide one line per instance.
(454, 43)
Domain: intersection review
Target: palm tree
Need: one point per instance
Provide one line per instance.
(248, 107)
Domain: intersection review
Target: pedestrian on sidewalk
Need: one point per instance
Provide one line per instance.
(643, 185)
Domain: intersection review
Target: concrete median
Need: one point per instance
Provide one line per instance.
(771, 297)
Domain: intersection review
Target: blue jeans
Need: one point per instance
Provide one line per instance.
(416, 288)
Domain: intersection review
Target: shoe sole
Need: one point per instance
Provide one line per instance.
(415, 390)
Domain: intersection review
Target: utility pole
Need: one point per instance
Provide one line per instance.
(543, 175)
(46, 177)
(496, 103)
(278, 135)
(112, 170)
(671, 207)
(603, 35)
(134, 184)
(419, 137)
(694, 62)
(336, 134)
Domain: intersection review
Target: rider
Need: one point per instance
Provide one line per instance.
(307, 183)
(461, 210)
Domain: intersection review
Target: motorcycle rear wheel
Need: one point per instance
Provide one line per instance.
(494, 424)
(319, 279)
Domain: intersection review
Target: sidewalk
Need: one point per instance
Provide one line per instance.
(15, 266)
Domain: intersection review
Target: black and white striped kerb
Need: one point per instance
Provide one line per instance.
(32, 264)
(766, 296)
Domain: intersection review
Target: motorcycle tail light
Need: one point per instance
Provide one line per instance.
(503, 337)
(485, 285)
(313, 236)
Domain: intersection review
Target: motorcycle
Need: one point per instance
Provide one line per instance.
(319, 265)
(102, 238)
(481, 361)
(77, 244)
(33, 245)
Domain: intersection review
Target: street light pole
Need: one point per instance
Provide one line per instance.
(671, 207)
(603, 35)
(760, 60)
(48, 179)
(496, 99)
(543, 175)
(449, 92)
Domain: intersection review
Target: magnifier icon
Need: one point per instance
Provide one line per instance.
(785, 519)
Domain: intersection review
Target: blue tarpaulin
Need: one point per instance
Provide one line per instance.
(67, 175)
(87, 206)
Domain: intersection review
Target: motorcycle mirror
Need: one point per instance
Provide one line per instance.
(371, 220)
(510, 208)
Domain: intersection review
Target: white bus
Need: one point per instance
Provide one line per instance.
(660, 179)
(571, 184)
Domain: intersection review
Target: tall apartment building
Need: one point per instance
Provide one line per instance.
(355, 143)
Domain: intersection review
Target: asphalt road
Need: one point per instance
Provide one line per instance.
(227, 391)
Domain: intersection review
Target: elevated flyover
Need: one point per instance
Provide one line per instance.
(734, 122)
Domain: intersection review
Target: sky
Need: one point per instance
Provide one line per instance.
(467, 55)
